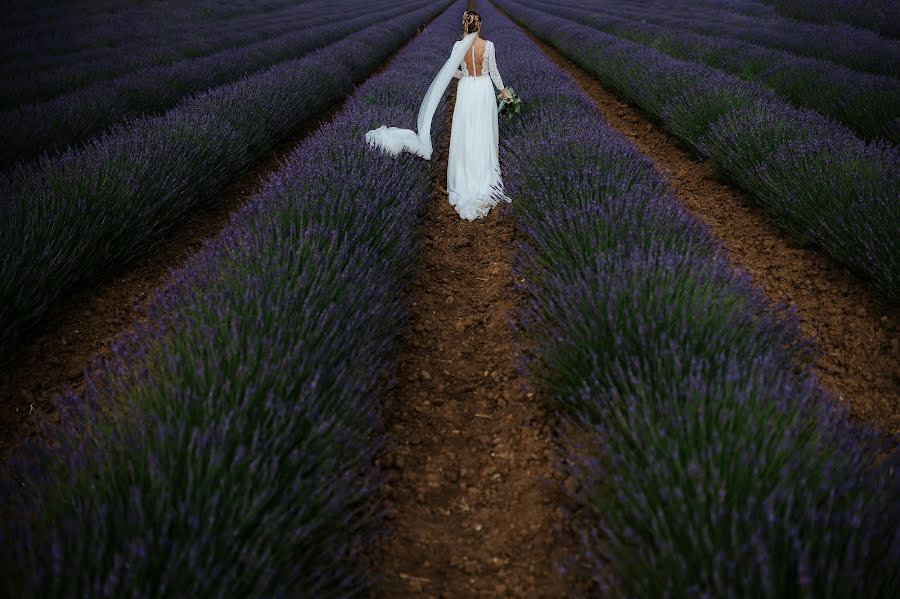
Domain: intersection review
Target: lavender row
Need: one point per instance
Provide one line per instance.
(858, 49)
(67, 221)
(818, 181)
(759, 24)
(883, 17)
(46, 35)
(21, 14)
(228, 448)
(50, 127)
(868, 104)
(39, 78)
(707, 460)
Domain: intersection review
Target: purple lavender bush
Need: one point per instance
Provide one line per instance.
(852, 215)
(52, 126)
(821, 183)
(227, 449)
(708, 461)
(868, 104)
(40, 34)
(68, 221)
(855, 48)
(882, 16)
(43, 69)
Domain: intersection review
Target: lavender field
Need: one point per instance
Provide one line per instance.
(245, 354)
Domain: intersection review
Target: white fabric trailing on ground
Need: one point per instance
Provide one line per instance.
(394, 139)
(474, 182)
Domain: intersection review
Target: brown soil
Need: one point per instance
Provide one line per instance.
(856, 329)
(473, 495)
(70, 339)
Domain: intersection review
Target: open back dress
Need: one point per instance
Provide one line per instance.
(474, 182)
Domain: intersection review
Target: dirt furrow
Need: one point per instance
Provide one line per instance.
(473, 494)
(857, 331)
(70, 339)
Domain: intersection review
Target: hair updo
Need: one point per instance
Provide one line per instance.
(471, 22)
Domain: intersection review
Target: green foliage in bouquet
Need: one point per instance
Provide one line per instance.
(509, 107)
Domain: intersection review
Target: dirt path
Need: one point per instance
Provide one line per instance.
(56, 356)
(857, 329)
(472, 495)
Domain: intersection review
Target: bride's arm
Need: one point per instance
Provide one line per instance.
(495, 74)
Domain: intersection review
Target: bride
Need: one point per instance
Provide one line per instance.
(474, 182)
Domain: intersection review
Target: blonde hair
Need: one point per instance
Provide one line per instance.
(471, 22)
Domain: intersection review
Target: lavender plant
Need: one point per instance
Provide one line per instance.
(882, 16)
(40, 73)
(819, 181)
(69, 220)
(707, 459)
(858, 49)
(227, 448)
(38, 34)
(50, 127)
(868, 104)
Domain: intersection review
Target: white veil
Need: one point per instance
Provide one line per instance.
(395, 140)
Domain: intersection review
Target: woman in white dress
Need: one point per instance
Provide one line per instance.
(474, 182)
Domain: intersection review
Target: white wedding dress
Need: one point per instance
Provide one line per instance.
(474, 182)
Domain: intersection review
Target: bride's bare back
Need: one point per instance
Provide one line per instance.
(479, 46)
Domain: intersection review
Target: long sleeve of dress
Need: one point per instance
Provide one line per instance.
(491, 59)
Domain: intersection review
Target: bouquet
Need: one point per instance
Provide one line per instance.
(511, 106)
